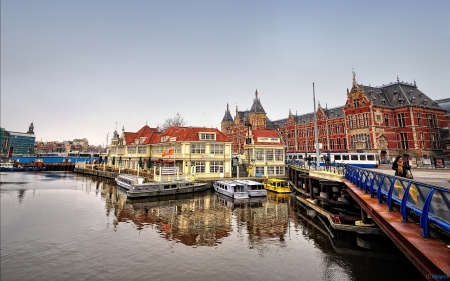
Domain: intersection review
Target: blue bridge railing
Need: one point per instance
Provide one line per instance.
(431, 203)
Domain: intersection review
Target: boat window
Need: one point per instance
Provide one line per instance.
(173, 186)
(362, 157)
(166, 186)
(345, 157)
(371, 157)
(337, 157)
(354, 157)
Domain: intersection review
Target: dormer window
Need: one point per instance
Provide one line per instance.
(163, 138)
(400, 101)
(410, 92)
(424, 101)
(207, 136)
(383, 101)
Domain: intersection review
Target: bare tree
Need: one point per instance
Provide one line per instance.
(178, 120)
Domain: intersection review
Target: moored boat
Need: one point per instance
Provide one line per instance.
(231, 188)
(254, 188)
(136, 187)
(277, 185)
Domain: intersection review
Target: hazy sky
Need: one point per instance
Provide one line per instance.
(75, 68)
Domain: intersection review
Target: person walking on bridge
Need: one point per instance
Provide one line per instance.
(400, 167)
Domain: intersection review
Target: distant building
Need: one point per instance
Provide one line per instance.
(18, 143)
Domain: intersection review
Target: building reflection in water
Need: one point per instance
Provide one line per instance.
(201, 219)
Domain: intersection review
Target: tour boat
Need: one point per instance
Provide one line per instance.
(136, 188)
(277, 185)
(231, 188)
(254, 188)
(7, 167)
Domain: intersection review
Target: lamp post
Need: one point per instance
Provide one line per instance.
(266, 172)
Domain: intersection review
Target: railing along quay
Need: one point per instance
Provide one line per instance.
(394, 203)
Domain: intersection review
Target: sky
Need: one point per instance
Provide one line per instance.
(81, 69)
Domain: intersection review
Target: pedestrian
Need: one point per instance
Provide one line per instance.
(400, 167)
(327, 162)
(308, 160)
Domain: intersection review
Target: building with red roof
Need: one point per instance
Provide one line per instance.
(205, 152)
(264, 153)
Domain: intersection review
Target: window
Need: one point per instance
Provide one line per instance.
(207, 136)
(404, 140)
(216, 167)
(362, 157)
(331, 144)
(259, 170)
(269, 154)
(366, 119)
(386, 119)
(422, 140)
(142, 149)
(401, 119)
(419, 119)
(259, 154)
(216, 148)
(197, 148)
(131, 149)
(354, 157)
(370, 157)
(356, 103)
(338, 143)
(279, 154)
(270, 170)
(345, 157)
(337, 157)
(199, 166)
(279, 170)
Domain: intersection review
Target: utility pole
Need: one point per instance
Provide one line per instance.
(316, 132)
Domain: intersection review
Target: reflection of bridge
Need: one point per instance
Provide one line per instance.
(393, 203)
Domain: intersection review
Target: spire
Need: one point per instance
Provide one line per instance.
(227, 117)
(354, 77)
(256, 94)
(398, 79)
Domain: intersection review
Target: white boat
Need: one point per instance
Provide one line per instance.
(231, 189)
(254, 188)
(7, 166)
(136, 188)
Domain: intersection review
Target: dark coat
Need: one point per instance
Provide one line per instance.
(405, 168)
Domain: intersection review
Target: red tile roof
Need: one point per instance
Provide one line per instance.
(266, 134)
(191, 134)
(151, 135)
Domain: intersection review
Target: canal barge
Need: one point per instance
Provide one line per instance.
(136, 188)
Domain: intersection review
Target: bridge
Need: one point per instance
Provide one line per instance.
(414, 214)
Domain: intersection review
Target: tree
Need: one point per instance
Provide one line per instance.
(178, 120)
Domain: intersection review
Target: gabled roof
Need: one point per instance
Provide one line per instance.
(191, 134)
(151, 135)
(270, 134)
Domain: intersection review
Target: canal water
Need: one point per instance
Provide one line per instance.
(66, 226)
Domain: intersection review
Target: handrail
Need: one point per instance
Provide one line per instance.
(431, 203)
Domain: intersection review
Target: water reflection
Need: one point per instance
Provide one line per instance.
(201, 219)
(265, 232)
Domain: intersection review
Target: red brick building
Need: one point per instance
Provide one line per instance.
(392, 119)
